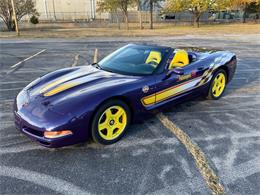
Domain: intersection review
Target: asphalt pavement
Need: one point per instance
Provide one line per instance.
(149, 159)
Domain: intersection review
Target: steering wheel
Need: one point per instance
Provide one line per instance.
(153, 62)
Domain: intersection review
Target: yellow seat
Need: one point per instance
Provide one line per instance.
(180, 59)
(154, 57)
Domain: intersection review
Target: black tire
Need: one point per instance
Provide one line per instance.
(210, 94)
(94, 127)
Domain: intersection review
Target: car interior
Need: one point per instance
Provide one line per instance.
(181, 58)
(145, 61)
(154, 57)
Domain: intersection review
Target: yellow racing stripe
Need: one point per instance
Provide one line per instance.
(49, 86)
(60, 89)
(170, 92)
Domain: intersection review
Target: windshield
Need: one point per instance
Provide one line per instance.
(133, 60)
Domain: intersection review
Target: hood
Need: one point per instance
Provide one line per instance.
(81, 79)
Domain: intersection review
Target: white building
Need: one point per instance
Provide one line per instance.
(77, 10)
(66, 9)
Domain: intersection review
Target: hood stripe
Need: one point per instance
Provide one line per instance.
(63, 79)
(60, 88)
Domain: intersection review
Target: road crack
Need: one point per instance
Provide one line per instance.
(206, 171)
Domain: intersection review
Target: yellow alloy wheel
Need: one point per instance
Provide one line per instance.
(112, 122)
(219, 85)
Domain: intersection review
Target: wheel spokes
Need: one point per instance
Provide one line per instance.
(218, 85)
(214, 87)
(119, 125)
(102, 126)
(112, 122)
(108, 113)
(119, 113)
(110, 133)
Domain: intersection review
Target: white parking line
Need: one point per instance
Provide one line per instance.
(11, 89)
(14, 82)
(39, 179)
(17, 64)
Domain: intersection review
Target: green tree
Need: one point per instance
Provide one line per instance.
(196, 7)
(22, 8)
(244, 6)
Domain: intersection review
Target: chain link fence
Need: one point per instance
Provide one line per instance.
(87, 19)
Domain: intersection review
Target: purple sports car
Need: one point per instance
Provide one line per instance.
(99, 101)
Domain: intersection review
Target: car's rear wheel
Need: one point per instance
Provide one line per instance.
(217, 85)
(110, 122)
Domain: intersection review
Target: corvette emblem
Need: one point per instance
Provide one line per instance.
(145, 89)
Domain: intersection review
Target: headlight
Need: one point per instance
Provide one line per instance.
(22, 99)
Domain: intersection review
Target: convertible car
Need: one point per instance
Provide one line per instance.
(99, 101)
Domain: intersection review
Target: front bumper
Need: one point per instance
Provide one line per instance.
(37, 134)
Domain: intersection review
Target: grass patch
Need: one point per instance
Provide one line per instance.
(159, 30)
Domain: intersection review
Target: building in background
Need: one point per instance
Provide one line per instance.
(78, 10)
(86, 10)
(70, 10)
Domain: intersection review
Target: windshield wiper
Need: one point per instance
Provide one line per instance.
(97, 66)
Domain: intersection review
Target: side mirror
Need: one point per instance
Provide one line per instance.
(178, 71)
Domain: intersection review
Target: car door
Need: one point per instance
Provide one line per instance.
(174, 83)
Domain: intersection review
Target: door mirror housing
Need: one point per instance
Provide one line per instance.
(177, 71)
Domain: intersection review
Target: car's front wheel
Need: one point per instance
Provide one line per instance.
(110, 122)
(217, 85)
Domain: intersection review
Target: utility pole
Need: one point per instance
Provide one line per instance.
(94, 9)
(15, 19)
(46, 9)
(140, 15)
(151, 14)
(54, 11)
(91, 9)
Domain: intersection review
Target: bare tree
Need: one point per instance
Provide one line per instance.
(151, 9)
(123, 5)
(139, 9)
(22, 8)
(113, 5)
(151, 13)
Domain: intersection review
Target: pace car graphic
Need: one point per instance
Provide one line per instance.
(101, 100)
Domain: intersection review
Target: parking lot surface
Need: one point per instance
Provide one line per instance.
(149, 159)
